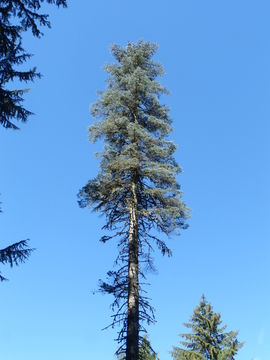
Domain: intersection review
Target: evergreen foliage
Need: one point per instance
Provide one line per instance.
(145, 351)
(136, 189)
(14, 254)
(208, 339)
(17, 16)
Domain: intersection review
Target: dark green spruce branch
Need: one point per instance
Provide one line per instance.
(16, 17)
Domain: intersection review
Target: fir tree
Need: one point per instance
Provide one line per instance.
(208, 339)
(136, 189)
(17, 16)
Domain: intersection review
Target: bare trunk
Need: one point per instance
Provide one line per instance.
(132, 350)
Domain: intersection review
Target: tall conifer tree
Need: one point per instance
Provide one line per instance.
(208, 339)
(136, 189)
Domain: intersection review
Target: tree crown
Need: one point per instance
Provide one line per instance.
(208, 339)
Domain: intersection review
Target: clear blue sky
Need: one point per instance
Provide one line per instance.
(216, 56)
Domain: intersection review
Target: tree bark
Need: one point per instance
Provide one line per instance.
(132, 349)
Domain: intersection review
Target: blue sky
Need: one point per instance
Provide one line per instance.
(216, 56)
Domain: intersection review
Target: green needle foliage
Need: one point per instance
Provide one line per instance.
(208, 339)
(14, 254)
(145, 351)
(136, 189)
(16, 17)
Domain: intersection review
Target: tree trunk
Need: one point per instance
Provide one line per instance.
(132, 349)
